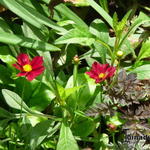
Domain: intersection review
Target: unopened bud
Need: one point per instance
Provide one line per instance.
(119, 53)
(116, 62)
(112, 127)
(76, 59)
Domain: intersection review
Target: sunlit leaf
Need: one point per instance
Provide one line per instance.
(14, 100)
(26, 42)
(76, 36)
(66, 140)
(145, 50)
(143, 72)
(101, 11)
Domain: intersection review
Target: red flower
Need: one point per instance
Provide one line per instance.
(29, 69)
(101, 72)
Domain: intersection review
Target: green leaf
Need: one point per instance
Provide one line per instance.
(70, 91)
(14, 100)
(6, 57)
(142, 18)
(5, 114)
(61, 78)
(76, 36)
(101, 11)
(35, 94)
(48, 77)
(39, 133)
(127, 49)
(100, 30)
(101, 50)
(41, 98)
(15, 7)
(26, 42)
(81, 122)
(30, 15)
(145, 50)
(115, 120)
(104, 138)
(72, 16)
(104, 141)
(66, 139)
(31, 31)
(104, 4)
(66, 92)
(119, 26)
(4, 27)
(5, 75)
(3, 124)
(115, 21)
(86, 94)
(143, 72)
(122, 23)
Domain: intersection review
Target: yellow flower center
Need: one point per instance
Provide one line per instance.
(101, 75)
(27, 68)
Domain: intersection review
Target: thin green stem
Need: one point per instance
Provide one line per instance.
(75, 72)
(109, 49)
(22, 97)
(115, 48)
(58, 97)
(114, 142)
(75, 97)
(46, 116)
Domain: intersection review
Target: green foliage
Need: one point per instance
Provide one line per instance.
(141, 19)
(29, 14)
(119, 26)
(104, 5)
(39, 133)
(101, 11)
(76, 36)
(63, 108)
(26, 42)
(145, 50)
(66, 139)
(81, 122)
(14, 101)
(143, 72)
(79, 23)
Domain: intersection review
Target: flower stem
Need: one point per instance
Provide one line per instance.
(22, 97)
(109, 49)
(75, 73)
(114, 142)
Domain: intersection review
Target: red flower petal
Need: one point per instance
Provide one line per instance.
(37, 62)
(111, 71)
(92, 74)
(34, 73)
(22, 74)
(104, 67)
(23, 59)
(97, 81)
(98, 68)
(17, 67)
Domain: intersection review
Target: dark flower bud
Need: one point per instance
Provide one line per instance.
(112, 127)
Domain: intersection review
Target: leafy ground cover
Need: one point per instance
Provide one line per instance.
(74, 75)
